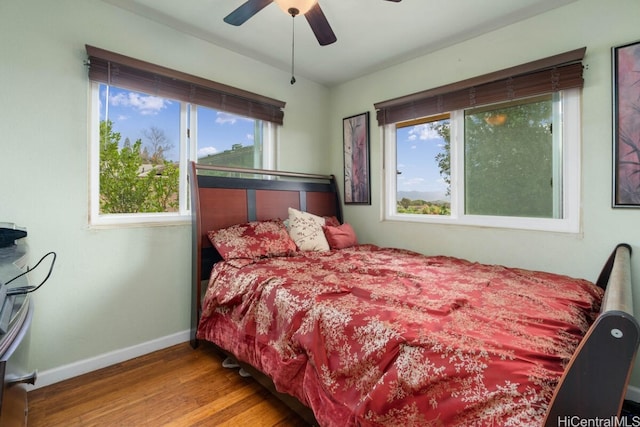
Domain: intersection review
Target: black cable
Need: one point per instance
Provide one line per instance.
(28, 289)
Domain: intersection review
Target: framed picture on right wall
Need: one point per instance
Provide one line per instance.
(626, 125)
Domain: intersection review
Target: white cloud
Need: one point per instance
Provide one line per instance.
(228, 118)
(225, 118)
(146, 104)
(423, 132)
(206, 151)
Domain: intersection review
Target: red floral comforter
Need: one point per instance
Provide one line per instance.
(378, 336)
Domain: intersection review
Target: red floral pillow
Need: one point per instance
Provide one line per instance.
(340, 237)
(257, 239)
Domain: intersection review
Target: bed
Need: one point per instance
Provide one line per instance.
(353, 334)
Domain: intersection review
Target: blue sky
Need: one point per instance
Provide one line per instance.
(417, 147)
(132, 113)
(218, 131)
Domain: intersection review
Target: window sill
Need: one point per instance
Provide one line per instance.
(139, 220)
(567, 226)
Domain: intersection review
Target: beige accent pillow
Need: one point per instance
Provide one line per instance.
(305, 230)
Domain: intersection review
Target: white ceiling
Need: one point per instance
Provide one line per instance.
(372, 34)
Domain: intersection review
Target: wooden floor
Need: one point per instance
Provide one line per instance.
(178, 386)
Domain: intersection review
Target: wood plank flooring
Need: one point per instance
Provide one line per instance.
(177, 386)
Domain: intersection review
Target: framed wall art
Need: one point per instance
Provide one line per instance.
(626, 125)
(357, 185)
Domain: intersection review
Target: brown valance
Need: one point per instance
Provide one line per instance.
(558, 72)
(122, 71)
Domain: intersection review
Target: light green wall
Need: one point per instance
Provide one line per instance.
(111, 288)
(596, 24)
(116, 288)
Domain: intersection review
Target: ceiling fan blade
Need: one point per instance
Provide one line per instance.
(320, 26)
(395, 1)
(246, 11)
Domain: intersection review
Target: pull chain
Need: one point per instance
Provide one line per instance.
(293, 45)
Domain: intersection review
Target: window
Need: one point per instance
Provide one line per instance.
(143, 147)
(513, 164)
(148, 122)
(423, 166)
(497, 150)
(225, 139)
(138, 159)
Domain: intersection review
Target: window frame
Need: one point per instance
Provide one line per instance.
(570, 222)
(187, 153)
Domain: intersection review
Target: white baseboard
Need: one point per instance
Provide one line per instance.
(71, 370)
(633, 393)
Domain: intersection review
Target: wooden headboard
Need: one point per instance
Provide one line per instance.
(219, 201)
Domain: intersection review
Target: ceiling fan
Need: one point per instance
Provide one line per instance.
(309, 8)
